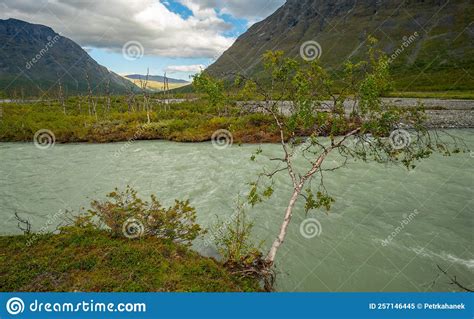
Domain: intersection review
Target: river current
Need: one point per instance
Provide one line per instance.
(387, 231)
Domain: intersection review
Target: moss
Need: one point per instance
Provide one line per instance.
(93, 261)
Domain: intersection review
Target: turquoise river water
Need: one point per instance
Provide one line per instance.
(358, 247)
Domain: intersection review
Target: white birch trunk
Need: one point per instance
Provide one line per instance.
(284, 227)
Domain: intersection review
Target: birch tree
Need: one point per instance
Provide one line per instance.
(61, 94)
(92, 103)
(146, 99)
(344, 117)
(131, 98)
(318, 115)
(107, 95)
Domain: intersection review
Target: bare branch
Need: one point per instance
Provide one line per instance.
(23, 224)
(454, 280)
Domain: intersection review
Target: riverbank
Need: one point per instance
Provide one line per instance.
(440, 113)
(463, 95)
(93, 261)
(187, 121)
(38, 183)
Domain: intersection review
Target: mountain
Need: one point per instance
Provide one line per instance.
(431, 41)
(156, 78)
(33, 57)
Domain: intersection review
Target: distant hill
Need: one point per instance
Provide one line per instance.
(156, 82)
(441, 56)
(32, 57)
(156, 78)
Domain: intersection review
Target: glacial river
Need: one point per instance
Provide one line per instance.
(361, 245)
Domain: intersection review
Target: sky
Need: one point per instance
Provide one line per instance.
(180, 37)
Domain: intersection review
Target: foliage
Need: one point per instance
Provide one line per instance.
(124, 213)
(91, 260)
(233, 237)
(92, 254)
(241, 255)
(451, 94)
(355, 124)
(369, 122)
(213, 88)
(189, 121)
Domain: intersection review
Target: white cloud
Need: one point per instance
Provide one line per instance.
(252, 10)
(109, 24)
(195, 68)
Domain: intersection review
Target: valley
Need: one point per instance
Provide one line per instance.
(216, 146)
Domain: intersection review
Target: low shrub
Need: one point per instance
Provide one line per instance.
(241, 255)
(125, 214)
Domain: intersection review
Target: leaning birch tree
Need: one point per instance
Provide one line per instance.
(318, 115)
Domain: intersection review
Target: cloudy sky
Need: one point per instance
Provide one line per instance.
(128, 36)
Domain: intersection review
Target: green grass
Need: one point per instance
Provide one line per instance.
(186, 122)
(194, 121)
(464, 95)
(93, 261)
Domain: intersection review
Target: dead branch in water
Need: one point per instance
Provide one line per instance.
(26, 229)
(454, 280)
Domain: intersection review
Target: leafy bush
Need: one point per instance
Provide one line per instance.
(232, 237)
(125, 214)
(241, 256)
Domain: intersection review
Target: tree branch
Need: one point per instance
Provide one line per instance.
(454, 280)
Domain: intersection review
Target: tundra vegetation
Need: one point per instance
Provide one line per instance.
(188, 121)
(122, 244)
(342, 118)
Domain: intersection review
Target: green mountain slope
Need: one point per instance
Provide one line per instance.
(33, 57)
(439, 56)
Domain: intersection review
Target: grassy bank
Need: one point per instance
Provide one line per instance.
(463, 95)
(185, 122)
(93, 261)
(193, 121)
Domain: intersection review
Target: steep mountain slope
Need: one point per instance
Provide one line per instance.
(33, 57)
(439, 56)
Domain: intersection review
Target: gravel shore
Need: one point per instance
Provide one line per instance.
(441, 113)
